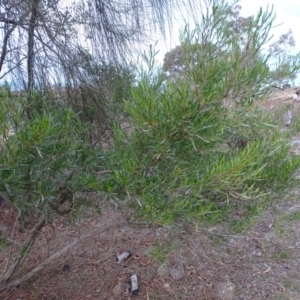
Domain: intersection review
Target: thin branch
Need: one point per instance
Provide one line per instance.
(12, 68)
(4, 45)
(9, 21)
(12, 238)
(8, 34)
(26, 246)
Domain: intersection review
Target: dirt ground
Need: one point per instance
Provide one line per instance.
(179, 262)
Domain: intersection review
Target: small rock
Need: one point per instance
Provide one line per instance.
(177, 273)
(163, 271)
(134, 284)
(123, 256)
(225, 290)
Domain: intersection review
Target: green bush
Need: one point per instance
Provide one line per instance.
(46, 163)
(47, 169)
(189, 154)
(206, 177)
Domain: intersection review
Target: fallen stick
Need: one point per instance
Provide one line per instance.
(18, 281)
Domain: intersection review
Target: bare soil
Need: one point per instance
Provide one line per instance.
(179, 262)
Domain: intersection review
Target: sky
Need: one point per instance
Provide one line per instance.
(287, 12)
(287, 17)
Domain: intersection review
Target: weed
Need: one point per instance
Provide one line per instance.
(160, 252)
(285, 254)
(295, 216)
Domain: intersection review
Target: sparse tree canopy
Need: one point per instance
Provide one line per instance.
(237, 30)
(285, 63)
(41, 38)
(242, 48)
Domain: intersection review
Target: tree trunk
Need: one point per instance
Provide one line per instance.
(30, 56)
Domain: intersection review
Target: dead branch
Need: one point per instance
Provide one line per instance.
(25, 248)
(16, 282)
(11, 247)
(10, 21)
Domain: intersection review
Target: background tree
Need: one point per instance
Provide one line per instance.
(234, 24)
(237, 28)
(241, 42)
(43, 40)
(285, 65)
(231, 46)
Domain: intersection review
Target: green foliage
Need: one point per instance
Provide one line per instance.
(4, 243)
(222, 57)
(295, 216)
(47, 169)
(295, 124)
(160, 252)
(222, 63)
(190, 155)
(165, 183)
(47, 164)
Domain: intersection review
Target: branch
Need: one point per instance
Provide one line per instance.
(56, 255)
(4, 46)
(12, 68)
(11, 247)
(9, 33)
(9, 21)
(26, 246)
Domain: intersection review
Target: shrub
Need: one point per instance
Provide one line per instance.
(190, 155)
(47, 169)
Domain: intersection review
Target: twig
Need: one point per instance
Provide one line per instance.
(12, 238)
